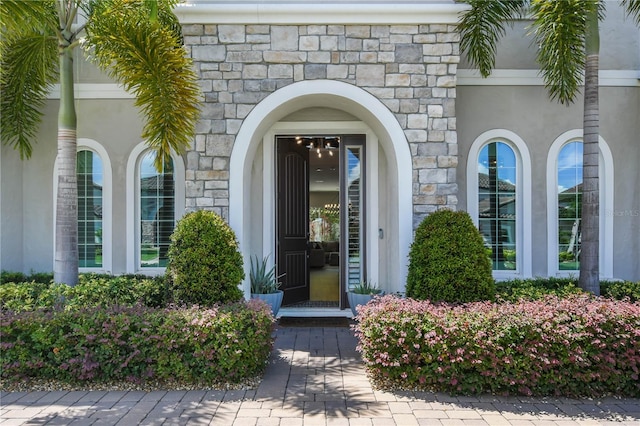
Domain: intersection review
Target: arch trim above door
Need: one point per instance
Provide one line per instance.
(374, 117)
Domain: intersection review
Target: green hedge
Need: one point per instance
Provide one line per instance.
(203, 347)
(572, 346)
(536, 288)
(91, 290)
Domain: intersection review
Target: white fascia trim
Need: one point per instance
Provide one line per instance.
(94, 91)
(529, 77)
(318, 13)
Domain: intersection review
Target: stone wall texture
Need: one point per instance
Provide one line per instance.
(410, 68)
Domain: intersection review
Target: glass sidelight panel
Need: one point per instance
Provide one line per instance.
(352, 220)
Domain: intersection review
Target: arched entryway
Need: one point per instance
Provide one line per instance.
(341, 109)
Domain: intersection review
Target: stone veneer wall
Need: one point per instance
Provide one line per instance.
(410, 68)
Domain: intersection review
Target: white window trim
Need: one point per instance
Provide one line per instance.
(107, 204)
(133, 206)
(605, 173)
(523, 196)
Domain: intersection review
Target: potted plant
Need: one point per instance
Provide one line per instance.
(265, 284)
(361, 294)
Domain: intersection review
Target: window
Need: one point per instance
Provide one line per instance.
(497, 179)
(93, 173)
(499, 200)
(157, 211)
(155, 200)
(564, 205)
(569, 202)
(90, 230)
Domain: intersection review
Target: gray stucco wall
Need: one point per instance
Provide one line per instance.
(528, 112)
(26, 221)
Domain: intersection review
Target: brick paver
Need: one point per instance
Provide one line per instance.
(315, 377)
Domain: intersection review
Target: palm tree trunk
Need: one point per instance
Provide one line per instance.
(65, 268)
(589, 253)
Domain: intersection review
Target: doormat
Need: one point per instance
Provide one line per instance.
(314, 322)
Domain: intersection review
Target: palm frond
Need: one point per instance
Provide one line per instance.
(481, 26)
(149, 60)
(19, 15)
(560, 29)
(29, 69)
(633, 9)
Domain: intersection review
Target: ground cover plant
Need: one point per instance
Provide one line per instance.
(573, 346)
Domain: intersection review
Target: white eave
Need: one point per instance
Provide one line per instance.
(319, 12)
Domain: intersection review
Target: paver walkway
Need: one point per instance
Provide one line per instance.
(315, 378)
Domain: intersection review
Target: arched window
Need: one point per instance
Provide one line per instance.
(499, 197)
(156, 191)
(93, 173)
(155, 199)
(90, 231)
(564, 191)
(569, 202)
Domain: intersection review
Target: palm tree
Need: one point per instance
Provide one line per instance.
(137, 42)
(567, 35)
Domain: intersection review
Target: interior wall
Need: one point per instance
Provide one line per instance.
(320, 198)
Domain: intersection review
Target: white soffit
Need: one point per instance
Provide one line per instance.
(319, 12)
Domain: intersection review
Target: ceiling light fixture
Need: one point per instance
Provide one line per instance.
(320, 144)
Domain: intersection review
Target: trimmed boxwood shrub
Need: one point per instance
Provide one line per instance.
(172, 346)
(205, 266)
(576, 346)
(448, 262)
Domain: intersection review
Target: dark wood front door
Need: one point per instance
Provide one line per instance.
(292, 216)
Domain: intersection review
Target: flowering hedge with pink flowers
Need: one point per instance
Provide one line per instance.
(209, 347)
(573, 346)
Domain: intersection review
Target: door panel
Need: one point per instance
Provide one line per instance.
(292, 254)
